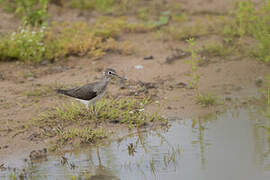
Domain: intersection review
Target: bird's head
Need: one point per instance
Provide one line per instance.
(111, 73)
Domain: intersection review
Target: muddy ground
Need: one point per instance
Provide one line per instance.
(231, 79)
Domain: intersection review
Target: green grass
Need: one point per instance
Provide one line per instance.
(104, 6)
(32, 12)
(24, 45)
(65, 39)
(253, 22)
(74, 121)
(206, 100)
(218, 49)
(128, 111)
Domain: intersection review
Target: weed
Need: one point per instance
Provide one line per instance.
(206, 100)
(218, 49)
(254, 22)
(24, 45)
(33, 12)
(194, 64)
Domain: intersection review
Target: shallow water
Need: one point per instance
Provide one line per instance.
(231, 146)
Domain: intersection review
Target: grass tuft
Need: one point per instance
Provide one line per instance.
(24, 45)
(206, 100)
(74, 121)
(218, 49)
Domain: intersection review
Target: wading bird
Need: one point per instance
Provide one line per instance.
(92, 92)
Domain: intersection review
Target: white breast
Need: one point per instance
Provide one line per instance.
(92, 101)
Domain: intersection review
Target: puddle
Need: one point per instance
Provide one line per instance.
(227, 146)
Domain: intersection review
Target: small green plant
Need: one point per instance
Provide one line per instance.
(24, 45)
(245, 14)
(206, 100)
(194, 64)
(253, 22)
(256, 23)
(33, 12)
(218, 49)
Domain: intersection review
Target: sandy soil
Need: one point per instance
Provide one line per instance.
(232, 80)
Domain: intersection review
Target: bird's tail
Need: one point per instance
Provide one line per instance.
(61, 91)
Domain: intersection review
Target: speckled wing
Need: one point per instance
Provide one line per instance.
(86, 92)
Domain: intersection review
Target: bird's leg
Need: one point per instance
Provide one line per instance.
(95, 114)
(94, 110)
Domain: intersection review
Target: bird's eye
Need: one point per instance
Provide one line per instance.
(109, 72)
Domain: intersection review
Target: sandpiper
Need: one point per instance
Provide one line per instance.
(92, 92)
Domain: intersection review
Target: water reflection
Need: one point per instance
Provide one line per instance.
(262, 136)
(233, 145)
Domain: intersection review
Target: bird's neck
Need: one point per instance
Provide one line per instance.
(106, 79)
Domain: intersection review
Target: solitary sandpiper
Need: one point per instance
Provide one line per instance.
(90, 93)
